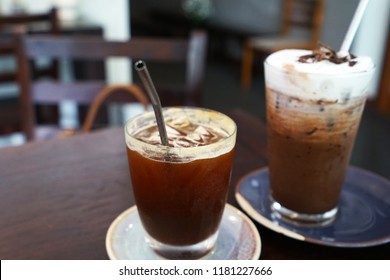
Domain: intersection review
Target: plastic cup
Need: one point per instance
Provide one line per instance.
(313, 116)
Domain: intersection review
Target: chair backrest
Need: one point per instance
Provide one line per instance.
(7, 48)
(50, 19)
(49, 22)
(304, 15)
(9, 109)
(190, 51)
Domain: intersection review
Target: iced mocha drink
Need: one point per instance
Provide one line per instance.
(314, 106)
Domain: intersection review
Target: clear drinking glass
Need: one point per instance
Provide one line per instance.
(313, 119)
(181, 190)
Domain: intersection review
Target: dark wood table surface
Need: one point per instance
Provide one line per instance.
(58, 198)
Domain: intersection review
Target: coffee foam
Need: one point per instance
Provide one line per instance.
(317, 80)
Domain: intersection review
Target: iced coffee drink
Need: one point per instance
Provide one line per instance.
(315, 102)
(181, 190)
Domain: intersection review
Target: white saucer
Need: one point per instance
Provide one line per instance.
(238, 238)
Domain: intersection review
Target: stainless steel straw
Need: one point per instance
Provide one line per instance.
(143, 73)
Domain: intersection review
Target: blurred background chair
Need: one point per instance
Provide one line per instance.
(190, 51)
(50, 19)
(104, 95)
(301, 25)
(9, 101)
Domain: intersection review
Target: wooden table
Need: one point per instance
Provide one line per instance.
(58, 198)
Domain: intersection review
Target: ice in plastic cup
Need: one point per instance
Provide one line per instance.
(313, 114)
(181, 190)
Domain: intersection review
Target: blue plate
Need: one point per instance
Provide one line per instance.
(363, 218)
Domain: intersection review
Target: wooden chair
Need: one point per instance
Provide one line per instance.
(190, 51)
(50, 18)
(9, 107)
(10, 23)
(301, 25)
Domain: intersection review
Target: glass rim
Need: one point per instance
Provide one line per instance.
(229, 136)
(330, 74)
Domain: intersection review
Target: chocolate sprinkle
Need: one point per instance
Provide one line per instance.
(327, 53)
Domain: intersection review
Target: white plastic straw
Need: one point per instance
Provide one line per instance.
(353, 27)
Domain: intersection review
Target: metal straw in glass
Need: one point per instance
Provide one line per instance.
(143, 73)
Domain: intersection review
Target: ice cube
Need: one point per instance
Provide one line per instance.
(201, 130)
(179, 122)
(172, 131)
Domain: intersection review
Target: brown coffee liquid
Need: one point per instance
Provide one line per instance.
(310, 144)
(180, 203)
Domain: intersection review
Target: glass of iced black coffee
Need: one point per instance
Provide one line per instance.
(181, 189)
(315, 102)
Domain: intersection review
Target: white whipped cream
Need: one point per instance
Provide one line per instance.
(317, 80)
